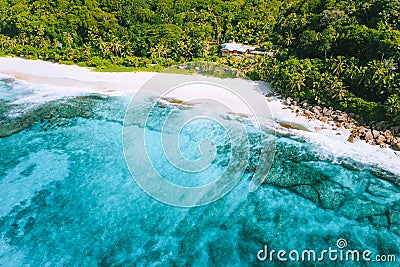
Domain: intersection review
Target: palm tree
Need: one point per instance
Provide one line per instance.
(289, 39)
(3, 41)
(68, 39)
(87, 49)
(393, 103)
(12, 42)
(338, 65)
(104, 47)
(180, 49)
(340, 93)
(116, 47)
(40, 31)
(390, 65)
(296, 82)
(23, 39)
(56, 43)
(159, 51)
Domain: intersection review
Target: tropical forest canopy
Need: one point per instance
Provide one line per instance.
(343, 54)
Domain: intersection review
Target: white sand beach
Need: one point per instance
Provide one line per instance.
(78, 79)
(47, 73)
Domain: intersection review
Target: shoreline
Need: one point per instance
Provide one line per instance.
(288, 121)
(54, 74)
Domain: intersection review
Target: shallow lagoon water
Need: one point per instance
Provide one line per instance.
(68, 197)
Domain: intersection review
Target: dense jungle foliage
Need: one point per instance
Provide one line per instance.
(343, 54)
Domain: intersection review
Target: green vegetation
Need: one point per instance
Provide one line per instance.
(121, 68)
(335, 53)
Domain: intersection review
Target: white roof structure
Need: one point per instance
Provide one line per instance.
(237, 47)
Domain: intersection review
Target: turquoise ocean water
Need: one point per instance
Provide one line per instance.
(68, 199)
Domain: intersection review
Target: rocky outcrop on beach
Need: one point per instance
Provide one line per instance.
(381, 133)
(375, 137)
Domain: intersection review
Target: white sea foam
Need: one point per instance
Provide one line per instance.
(335, 147)
(26, 92)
